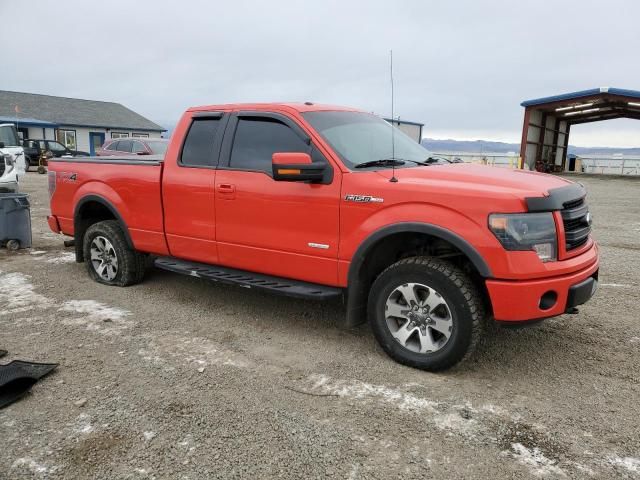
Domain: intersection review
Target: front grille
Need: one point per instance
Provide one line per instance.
(2, 167)
(575, 217)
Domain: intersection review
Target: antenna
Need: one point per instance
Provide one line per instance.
(393, 140)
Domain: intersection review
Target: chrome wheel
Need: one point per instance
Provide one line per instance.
(104, 258)
(419, 318)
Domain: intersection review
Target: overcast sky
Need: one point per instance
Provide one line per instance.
(462, 67)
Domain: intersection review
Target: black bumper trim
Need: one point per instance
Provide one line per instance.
(581, 292)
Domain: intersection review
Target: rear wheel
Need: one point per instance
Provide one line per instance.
(108, 257)
(425, 313)
(27, 163)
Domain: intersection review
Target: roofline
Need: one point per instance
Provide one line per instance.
(111, 127)
(59, 96)
(622, 92)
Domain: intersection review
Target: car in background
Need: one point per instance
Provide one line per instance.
(442, 160)
(33, 149)
(133, 146)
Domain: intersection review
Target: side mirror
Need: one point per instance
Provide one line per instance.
(143, 153)
(296, 167)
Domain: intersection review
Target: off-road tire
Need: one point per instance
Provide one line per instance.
(131, 264)
(458, 290)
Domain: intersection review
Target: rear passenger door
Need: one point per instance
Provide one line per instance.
(287, 229)
(188, 189)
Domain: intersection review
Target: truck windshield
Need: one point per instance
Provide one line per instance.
(361, 137)
(9, 136)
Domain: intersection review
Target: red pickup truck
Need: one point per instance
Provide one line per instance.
(317, 202)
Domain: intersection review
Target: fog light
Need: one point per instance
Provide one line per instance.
(548, 300)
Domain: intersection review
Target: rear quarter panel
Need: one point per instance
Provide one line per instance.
(133, 190)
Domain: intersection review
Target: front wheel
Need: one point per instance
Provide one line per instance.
(108, 257)
(426, 313)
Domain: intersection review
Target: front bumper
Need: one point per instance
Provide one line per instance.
(9, 186)
(522, 300)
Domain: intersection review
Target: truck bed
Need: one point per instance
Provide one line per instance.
(130, 185)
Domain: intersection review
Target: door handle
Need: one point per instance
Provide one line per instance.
(226, 188)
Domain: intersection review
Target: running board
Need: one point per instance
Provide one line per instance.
(283, 286)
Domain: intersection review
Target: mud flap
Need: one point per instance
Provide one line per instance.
(17, 378)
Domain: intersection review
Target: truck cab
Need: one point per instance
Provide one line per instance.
(12, 160)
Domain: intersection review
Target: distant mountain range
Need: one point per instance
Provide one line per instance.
(477, 146)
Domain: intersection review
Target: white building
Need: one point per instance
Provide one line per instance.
(82, 125)
(413, 129)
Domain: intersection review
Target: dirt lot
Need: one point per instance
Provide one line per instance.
(179, 378)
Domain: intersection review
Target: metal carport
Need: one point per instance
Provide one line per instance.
(547, 122)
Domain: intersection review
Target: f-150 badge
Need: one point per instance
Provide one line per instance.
(363, 199)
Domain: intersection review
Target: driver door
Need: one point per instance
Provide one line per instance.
(281, 228)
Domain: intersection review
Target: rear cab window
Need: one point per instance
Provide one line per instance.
(199, 145)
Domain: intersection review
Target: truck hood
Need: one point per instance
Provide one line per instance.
(515, 182)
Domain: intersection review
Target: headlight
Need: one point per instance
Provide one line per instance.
(526, 231)
(8, 161)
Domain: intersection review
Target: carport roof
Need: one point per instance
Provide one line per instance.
(590, 105)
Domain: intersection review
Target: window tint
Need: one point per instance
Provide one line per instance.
(138, 147)
(256, 140)
(124, 146)
(198, 147)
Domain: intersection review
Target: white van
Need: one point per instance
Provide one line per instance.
(12, 164)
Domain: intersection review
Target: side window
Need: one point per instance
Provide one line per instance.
(124, 146)
(56, 147)
(257, 139)
(197, 150)
(138, 147)
(112, 146)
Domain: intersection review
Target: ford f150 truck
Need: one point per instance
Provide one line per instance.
(317, 202)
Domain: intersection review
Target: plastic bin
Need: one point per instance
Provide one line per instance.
(15, 221)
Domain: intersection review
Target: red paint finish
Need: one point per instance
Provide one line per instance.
(311, 231)
(520, 300)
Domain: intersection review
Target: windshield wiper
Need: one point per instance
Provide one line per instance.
(385, 162)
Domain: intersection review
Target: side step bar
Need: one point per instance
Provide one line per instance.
(283, 286)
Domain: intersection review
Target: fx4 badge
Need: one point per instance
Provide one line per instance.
(66, 177)
(363, 199)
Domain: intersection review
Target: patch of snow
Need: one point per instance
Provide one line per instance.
(363, 391)
(83, 425)
(37, 252)
(623, 285)
(66, 257)
(17, 294)
(630, 464)
(97, 316)
(198, 351)
(535, 460)
(31, 465)
(149, 435)
(634, 340)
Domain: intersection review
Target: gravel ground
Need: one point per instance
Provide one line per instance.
(178, 378)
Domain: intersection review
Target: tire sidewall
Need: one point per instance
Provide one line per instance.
(461, 333)
(98, 230)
